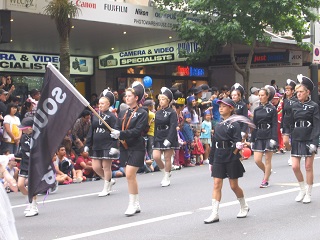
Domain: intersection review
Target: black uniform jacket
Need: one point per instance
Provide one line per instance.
(242, 109)
(265, 118)
(286, 113)
(224, 141)
(165, 126)
(98, 136)
(305, 121)
(133, 134)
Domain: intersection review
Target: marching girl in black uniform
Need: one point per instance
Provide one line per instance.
(264, 137)
(237, 92)
(104, 148)
(286, 112)
(304, 135)
(165, 134)
(130, 126)
(225, 160)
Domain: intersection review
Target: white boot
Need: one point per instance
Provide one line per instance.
(166, 179)
(302, 192)
(33, 209)
(112, 182)
(137, 204)
(244, 208)
(106, 189)
(290, 162)
(307, 197)
(133, 207)
(214, 217)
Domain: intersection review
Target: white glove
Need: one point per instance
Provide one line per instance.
(239, 145)
(86, 149)
(115, 134)
(243, 134)
(113, 151)
(281, 130)
(312, 148)
(273, 143)
(166, 143)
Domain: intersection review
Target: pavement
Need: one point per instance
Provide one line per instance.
(177, 212)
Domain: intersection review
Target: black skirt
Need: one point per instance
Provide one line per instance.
(132, 158)
(103, 154)
(300, 149)
(262, 145)
(157, 145)
(232, 170)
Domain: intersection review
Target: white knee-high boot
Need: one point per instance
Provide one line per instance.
(307, 197)
(134, 206)
(244, 208)
(302, 192)
(165, 180)
(214, 217)
(106, 189)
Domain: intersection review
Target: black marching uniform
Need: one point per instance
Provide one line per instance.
(242, 109)
(99, 138)
(224, 157)
(132, 134)
(265, 118)
(306, 130)
(165, 127)
(286, 114)
(24, 154)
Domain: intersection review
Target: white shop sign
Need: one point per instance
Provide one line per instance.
(157, 54)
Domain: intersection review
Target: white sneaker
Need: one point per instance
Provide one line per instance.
(27, 208)
(32, 212)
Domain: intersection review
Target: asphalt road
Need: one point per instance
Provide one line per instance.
(177, 212)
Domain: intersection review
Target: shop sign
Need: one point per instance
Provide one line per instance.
(190, 71)
(36, 63)
(22, 5)
(156, 54)
(259, 58)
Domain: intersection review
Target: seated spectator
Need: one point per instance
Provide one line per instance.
(84, 165)
(65, 172)
(117, 171)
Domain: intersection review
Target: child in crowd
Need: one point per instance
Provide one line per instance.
(65, 172)
(84, 165)
(26, 127)
(206, 132)
(188, 135)
(198, 150)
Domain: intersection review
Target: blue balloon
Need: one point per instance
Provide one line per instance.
(147, 81)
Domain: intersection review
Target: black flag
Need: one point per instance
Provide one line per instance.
(58, 108)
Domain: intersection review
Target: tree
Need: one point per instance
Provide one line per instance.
(217, 23)
(62, 12)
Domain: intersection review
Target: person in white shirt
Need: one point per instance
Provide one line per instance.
(254, 99)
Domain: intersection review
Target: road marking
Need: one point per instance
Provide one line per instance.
(175, 215)
(59, 199)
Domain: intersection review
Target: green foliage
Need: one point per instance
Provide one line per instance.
(222, 22)
(62, 11)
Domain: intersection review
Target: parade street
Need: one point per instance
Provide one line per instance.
(177, 212)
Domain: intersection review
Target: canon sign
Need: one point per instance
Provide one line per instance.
(84, 4)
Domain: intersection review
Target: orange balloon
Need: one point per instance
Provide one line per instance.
(246, 152)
